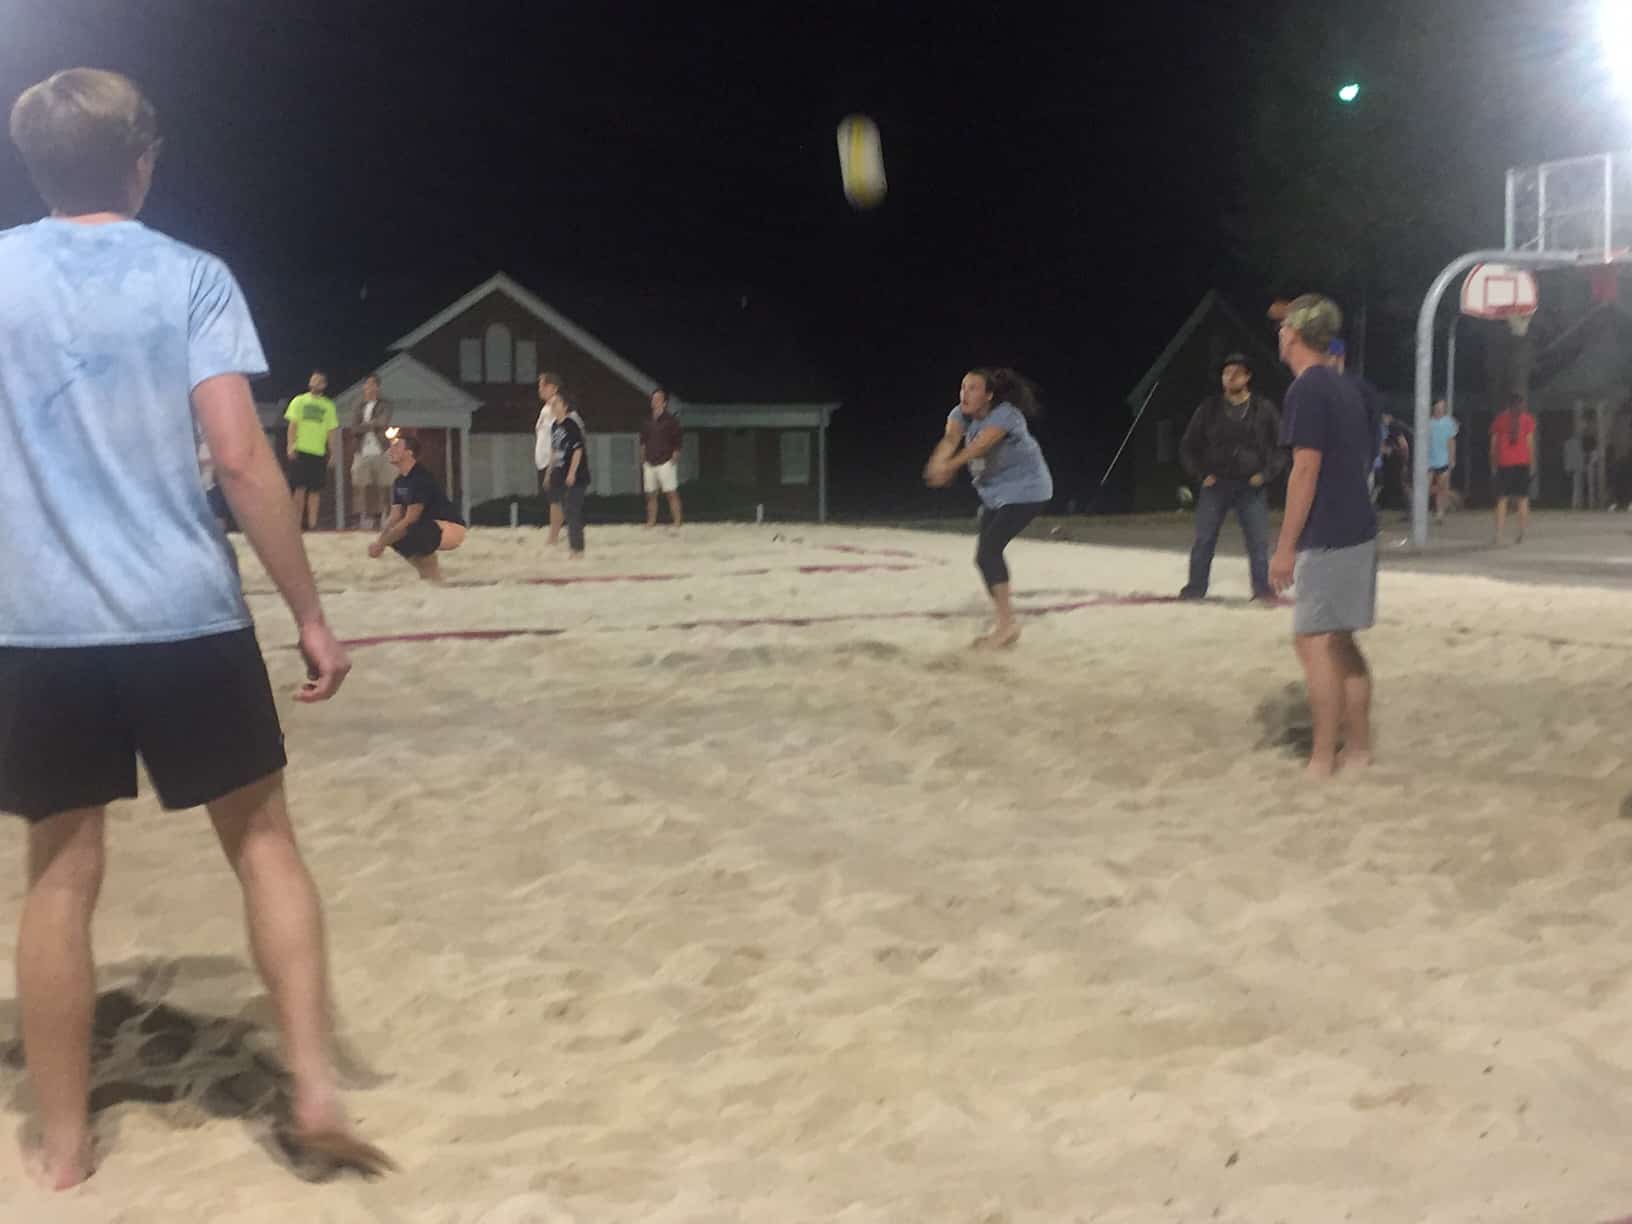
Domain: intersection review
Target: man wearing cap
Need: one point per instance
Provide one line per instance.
(1232, 445)
(1328, 547)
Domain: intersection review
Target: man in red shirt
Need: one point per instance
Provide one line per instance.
(660, 441)
(1513, 462)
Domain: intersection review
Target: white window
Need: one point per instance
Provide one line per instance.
(470, 361)
(497, 350)
(795, 445)
(526, 362)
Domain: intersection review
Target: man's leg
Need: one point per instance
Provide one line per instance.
(575, 519)
(1356, 700)
(674, 508)
(557, 518)
(1210, 510)
(1524, 517)
(1323, 676)
(56, 983)
(1253, 511)
(651, 509)
(285, 921)
(1501, 515)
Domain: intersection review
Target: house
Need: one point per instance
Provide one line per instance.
(467, 378)
(1185, 373)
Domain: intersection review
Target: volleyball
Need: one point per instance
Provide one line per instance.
(861, 162)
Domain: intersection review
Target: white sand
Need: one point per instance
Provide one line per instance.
(840, 922)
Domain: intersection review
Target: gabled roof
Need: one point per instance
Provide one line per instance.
(543, 311)
(1210, 301)
(409, 384)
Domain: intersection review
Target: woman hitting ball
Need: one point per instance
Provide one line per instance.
(987, 433)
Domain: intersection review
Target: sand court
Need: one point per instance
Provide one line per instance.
(713, 878)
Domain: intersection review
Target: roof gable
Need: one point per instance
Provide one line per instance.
(545, 313)
(409, 384)
(1210, 302)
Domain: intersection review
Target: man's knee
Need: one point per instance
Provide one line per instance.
(66, 852)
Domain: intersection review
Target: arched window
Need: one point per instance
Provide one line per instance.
(497, 347)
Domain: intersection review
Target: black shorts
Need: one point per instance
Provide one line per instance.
(1513, 481)
(308, 472)
(422, 539)
(73, 719)
(1439, 471)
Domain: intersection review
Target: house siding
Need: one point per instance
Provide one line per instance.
(608, 403)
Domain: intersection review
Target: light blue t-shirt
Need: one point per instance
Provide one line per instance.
(107, 537)
(1440, 432)
(1014, 471)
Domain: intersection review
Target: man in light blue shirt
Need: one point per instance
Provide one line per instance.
(123, 630)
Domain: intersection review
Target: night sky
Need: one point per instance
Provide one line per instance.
(1066, 180)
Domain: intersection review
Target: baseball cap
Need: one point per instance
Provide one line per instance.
(1315, 319)
(1239, 359)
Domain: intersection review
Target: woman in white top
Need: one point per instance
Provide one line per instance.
(549, 386)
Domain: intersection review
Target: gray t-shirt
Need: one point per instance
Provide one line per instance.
(1014, 471)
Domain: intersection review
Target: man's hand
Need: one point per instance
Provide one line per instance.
(326, 662)
(1209, 482)
(937, 475)
(1281, 566)
(376, 549)
(1257, 480)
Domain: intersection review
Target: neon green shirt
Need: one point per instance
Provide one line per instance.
(317, 419)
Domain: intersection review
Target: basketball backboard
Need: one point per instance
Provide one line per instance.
(1581, 206)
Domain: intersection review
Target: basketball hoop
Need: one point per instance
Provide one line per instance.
(1497, 291)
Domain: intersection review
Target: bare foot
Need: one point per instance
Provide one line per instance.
(53, 1173)
(1355, 758)
(577, 556)
(1000, 637)
(319, 1131)
(341, 1151)
(1319, 770)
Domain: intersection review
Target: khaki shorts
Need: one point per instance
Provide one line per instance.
(663, 478)
(371, 472)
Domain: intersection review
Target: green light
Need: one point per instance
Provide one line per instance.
(1349, 92)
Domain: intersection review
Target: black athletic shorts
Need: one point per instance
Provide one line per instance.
(1513, 481)
(308, 472)
(422, 539)
(73, 719)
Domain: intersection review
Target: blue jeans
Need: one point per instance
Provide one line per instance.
(1251, 506)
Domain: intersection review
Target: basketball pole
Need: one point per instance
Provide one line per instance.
(1425, 357)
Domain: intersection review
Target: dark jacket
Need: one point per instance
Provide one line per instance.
(377, 427)
(1218, 442)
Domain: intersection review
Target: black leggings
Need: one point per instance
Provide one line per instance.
(997, 528)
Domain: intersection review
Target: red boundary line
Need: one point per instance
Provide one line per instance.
(492, 635)
(577, 579)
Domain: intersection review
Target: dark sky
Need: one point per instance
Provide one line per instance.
(1060, 174)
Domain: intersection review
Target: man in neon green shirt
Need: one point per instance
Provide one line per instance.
(312, 422)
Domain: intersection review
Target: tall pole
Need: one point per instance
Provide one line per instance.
(1425, 360)
(1450, 393)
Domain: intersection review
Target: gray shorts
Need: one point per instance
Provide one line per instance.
(1335, 589)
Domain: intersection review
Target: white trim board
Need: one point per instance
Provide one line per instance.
(545, 313)
(756, 416)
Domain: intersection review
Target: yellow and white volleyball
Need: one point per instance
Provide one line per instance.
(861, 161)
(392, 432)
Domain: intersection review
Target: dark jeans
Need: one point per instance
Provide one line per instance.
(572, 497)
(1251, 506)
(997, 528)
